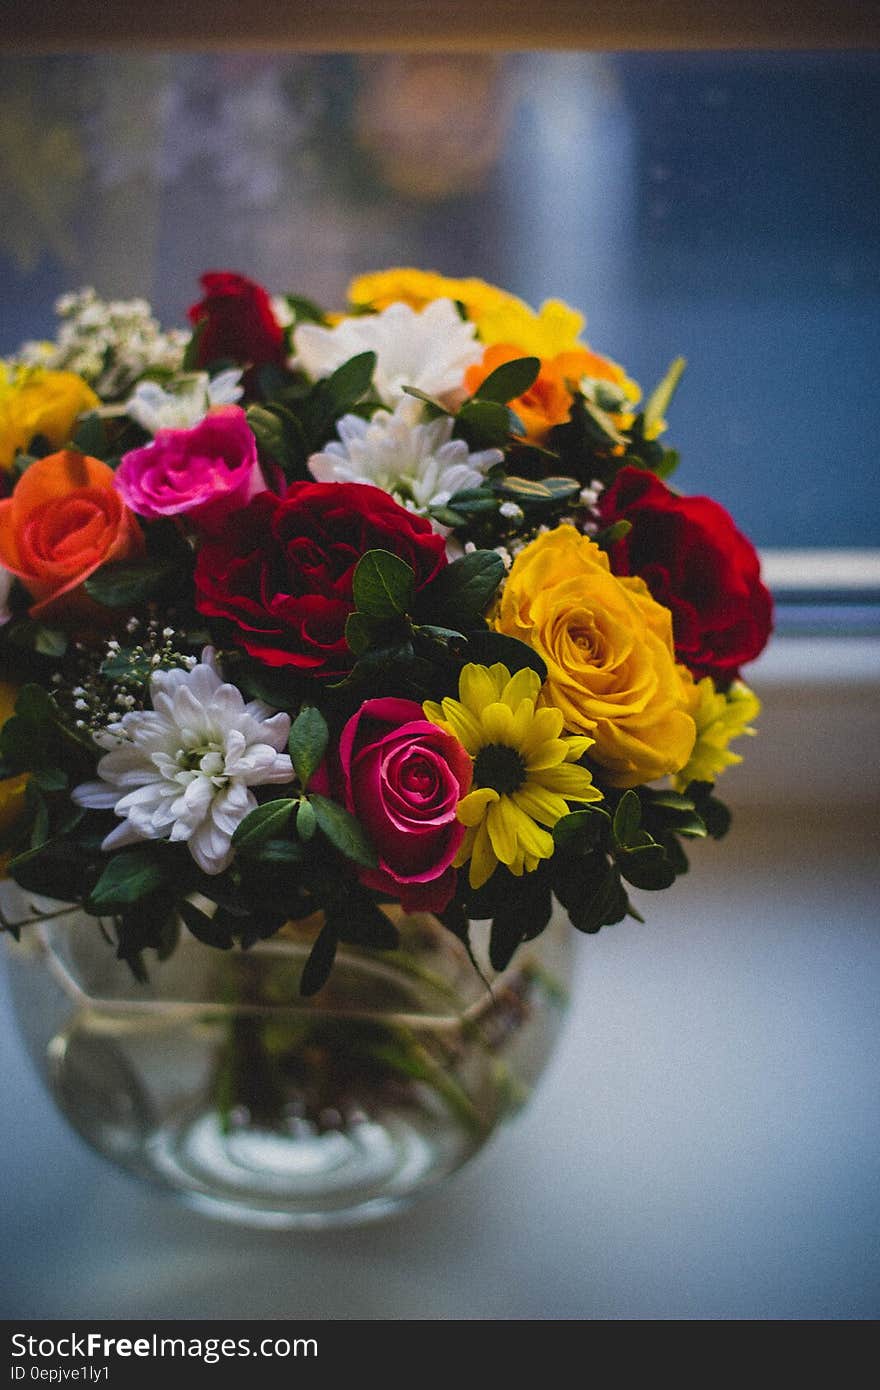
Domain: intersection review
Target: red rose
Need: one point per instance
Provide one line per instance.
(696, 562)
(236, 321)
(403, 778)
(282, 570)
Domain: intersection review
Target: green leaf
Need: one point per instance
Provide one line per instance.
(90, 437)
(35, 704)
(304, 310)
(128, 667)
(272, 432)
(192, 353)
(35, 637)
(508, 381)
(130, 875)
(262, 824)
(508, 930)
(343, 831)
(486, 424)
(581, 832)
(657, 403)
(40, 824)
(360, 632)
(667, 464)
(350, 382)
(359, 922)
(280, 852)
(606, 905)
(447, 517)
(307, 743)
(306, 821)
(714, 813)
(612, 534)
(53, 871)
(488, 647)
(383, 585)
(440, 634)
(646, 867)
(435, 408)
(600, 425)
(463, 589)
(50, 779)
(627, 818)
(124, 586)
(320, 962)
(209, 930)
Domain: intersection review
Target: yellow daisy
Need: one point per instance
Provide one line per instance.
(525, 769)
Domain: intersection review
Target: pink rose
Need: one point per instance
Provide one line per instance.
(403, 778)
(206, 472)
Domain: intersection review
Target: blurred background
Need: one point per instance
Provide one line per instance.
(706, 1143)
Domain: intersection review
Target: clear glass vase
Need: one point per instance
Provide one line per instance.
(217, 1080)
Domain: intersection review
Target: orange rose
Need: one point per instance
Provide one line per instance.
(547, 401)
(65, 519)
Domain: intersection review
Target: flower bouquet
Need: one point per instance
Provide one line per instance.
(316, 626)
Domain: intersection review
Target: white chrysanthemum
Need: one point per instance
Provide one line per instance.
(430, 350)
(186, 403)
(183, 770)
(419, 464)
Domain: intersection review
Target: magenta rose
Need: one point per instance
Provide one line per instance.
(281, 573)
(205, 472)
(403, 779)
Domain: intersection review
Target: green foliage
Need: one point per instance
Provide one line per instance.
(90, 436)
(659, 400)
(534, 493)
(130, 875)
(263, 823)
(383, 585)
(127, 585)
(485, 648)
(462, 591)
(343, 831)
(486, 424)
(279, 435)
(216, 930)
(307, 742)
(508, 381)
(317, 968)
(306, 821)
(191, 352)
(36, 637)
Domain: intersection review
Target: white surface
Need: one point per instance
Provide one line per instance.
(705, 1144)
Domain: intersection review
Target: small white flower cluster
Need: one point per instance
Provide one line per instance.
(110, 343)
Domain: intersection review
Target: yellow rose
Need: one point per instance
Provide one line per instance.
(720, 717)
(35, 401)
(609, 653)
(11, 788)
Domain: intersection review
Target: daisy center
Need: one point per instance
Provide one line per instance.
(207, 758)
(499, 767)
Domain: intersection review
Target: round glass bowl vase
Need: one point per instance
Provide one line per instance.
(216, 1079)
